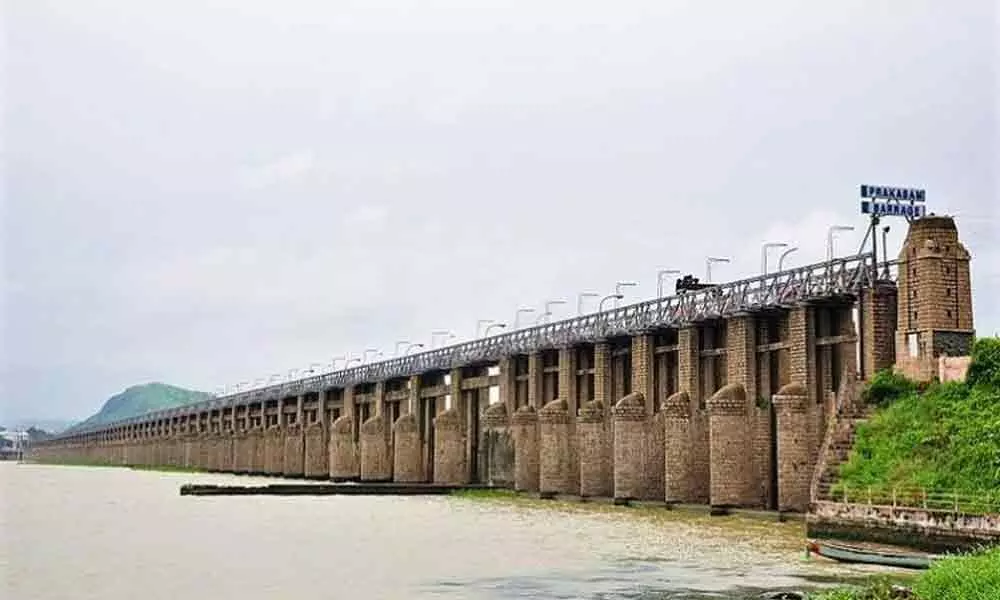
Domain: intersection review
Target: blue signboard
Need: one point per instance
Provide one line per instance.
(881, 192)
(893, 209)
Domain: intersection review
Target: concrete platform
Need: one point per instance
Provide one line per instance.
(324, 489)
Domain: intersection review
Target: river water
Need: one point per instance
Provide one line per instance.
(110, 534)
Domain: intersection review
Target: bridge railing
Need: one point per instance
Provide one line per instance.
(842, 277)
(907, 496)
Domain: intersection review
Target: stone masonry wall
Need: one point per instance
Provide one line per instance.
(524, 424)
(630, 447)
(729, 431)
(596, 452)
(293, 464)
(686, 472)
(498, 444)
(317, 454)
(376, 457)
(408, 466)
(556, 472)
(343, 454)
(274, 450)
(449, 448)
(795, 467)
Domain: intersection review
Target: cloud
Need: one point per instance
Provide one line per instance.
(171, 213)
(368, 216)
(286, 168)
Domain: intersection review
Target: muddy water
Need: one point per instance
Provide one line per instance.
(110, 534)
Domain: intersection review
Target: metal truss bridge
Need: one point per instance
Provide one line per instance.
(838, 278)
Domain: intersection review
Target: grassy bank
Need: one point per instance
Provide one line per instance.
(970, 577)
(942, 437)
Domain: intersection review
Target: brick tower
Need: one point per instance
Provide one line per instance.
(935, 297)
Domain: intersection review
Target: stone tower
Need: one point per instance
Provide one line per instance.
(935, 297)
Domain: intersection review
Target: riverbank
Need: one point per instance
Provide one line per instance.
(969, 577)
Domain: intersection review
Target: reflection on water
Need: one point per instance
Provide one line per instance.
(114, 534)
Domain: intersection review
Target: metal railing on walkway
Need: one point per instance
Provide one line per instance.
(947, 501)
(841, 277)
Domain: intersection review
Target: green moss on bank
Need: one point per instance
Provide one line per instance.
(945, 437)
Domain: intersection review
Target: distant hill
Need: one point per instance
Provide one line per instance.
(141, 399)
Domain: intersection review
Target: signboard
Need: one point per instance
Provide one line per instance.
(893, 209)
(881, 192)
(881, 200)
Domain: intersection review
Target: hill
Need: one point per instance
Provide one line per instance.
(140, 399)
(942, 438)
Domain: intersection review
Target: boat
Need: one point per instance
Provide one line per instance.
(872, 554)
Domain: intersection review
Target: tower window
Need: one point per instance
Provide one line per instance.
(914, 315)
(947, 291)
(948, 313)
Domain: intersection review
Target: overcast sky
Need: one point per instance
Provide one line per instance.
(206, 192)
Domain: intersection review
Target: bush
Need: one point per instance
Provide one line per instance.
(945, 439)
(985, 367)
(972, 577)
(887, 386)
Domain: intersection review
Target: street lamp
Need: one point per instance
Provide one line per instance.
(347, 363)
(333, 363)
(312, 367)
(376, 352)
(708, 266)
(412, 346)
(618, 289)
(517, 316)
(275, 377)
(659, 279)
(480, 323)
(615, 297)
(763, 254)
(542, 316)
(579, 300)
(781, 259)
(829, 238)
(398, 344)
(549, 304)
(496, 325)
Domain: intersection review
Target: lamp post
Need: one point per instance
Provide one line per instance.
(517, 316)
(763, 254)
(480, 323)
(781, 259)
(486, 333)
(829, 238)
(659, 279)
(579, 300)
(412, 346)
(374, 351)
(618, 289)
(548, 306)
(615, 297)
(398, 344)
(348, 362)
(708, 266)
